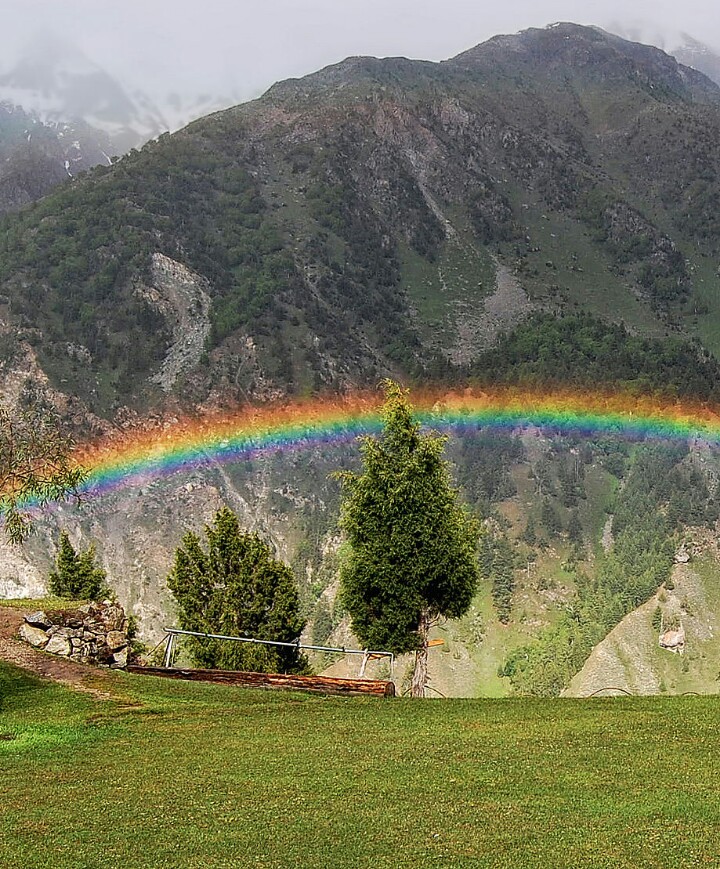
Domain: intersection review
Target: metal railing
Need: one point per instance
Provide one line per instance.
(173, 633)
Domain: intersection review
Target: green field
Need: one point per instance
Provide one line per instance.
(188, 775)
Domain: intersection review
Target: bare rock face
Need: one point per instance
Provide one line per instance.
(181, 297)
(19, 577)
(96, 633)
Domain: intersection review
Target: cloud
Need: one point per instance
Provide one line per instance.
(166, 45)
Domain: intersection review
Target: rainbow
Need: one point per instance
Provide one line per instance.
(143, 455)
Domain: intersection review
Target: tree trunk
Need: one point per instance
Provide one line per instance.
(420, 673)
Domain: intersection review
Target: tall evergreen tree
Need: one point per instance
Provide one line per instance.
(550, 518)
(412, 556)
(498, 565)
(237, 587)
(575, 529)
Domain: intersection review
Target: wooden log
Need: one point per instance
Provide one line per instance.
(320, 684)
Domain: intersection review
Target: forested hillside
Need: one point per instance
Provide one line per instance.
(540, 211)
(385, 216)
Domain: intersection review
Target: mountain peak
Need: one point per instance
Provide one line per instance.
(564, 49)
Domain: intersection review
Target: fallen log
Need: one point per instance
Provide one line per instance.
(320, 684)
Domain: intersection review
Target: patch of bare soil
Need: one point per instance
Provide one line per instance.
(81, 677)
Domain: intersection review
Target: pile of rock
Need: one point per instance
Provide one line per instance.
(96, 633)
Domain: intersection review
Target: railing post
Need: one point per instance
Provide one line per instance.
(167, 660)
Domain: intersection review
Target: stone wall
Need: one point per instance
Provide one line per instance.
(96, 633)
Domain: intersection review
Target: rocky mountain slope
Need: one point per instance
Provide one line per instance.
(61, 113)
(56, 82)
(353, 223)
(37, 156)
(541, 208)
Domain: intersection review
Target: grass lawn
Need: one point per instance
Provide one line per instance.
(191, 775)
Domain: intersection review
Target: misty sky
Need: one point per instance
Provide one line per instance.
(208, 45)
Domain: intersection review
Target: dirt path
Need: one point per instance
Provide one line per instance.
(81, 677)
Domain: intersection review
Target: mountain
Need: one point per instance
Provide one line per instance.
(35, 157)
(680, 45)
(61, 113)
(691, 52)
(540, 209)
(381, 216)
(58, 83)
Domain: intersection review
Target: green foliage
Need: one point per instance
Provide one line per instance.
(657, 618)
(236, 587)
(83, 250)
(35, 463)
(497, 563)
(76, 576)
(581, 350)
(322, 622)
(484, 460)
(574, 528)
(412, 545)
(550, 518)
(529, 535)
(640, 561)
(636, 246)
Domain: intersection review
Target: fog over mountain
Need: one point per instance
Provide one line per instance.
(220, 52)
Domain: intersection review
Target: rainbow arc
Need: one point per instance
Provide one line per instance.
(248, 433)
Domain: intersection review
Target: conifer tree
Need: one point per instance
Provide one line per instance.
(550, 518)
(501, 571)
(77, 577)
(236, 587)
(529, 536)
(575, 529)
(412, 553)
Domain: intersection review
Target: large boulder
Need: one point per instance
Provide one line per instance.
(35, 636)
(120, 659)
(116, 640)
(38, 620)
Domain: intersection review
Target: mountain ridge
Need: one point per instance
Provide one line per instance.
(323, 208)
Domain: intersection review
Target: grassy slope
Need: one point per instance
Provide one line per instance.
(204, 775)
(630, 658)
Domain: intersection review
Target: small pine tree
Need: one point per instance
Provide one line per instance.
(503, 578)
(238, 588)
(657, 618)
(530, 535)
(77, 577)
(575, 529)
(322, 622)
(550, 518)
